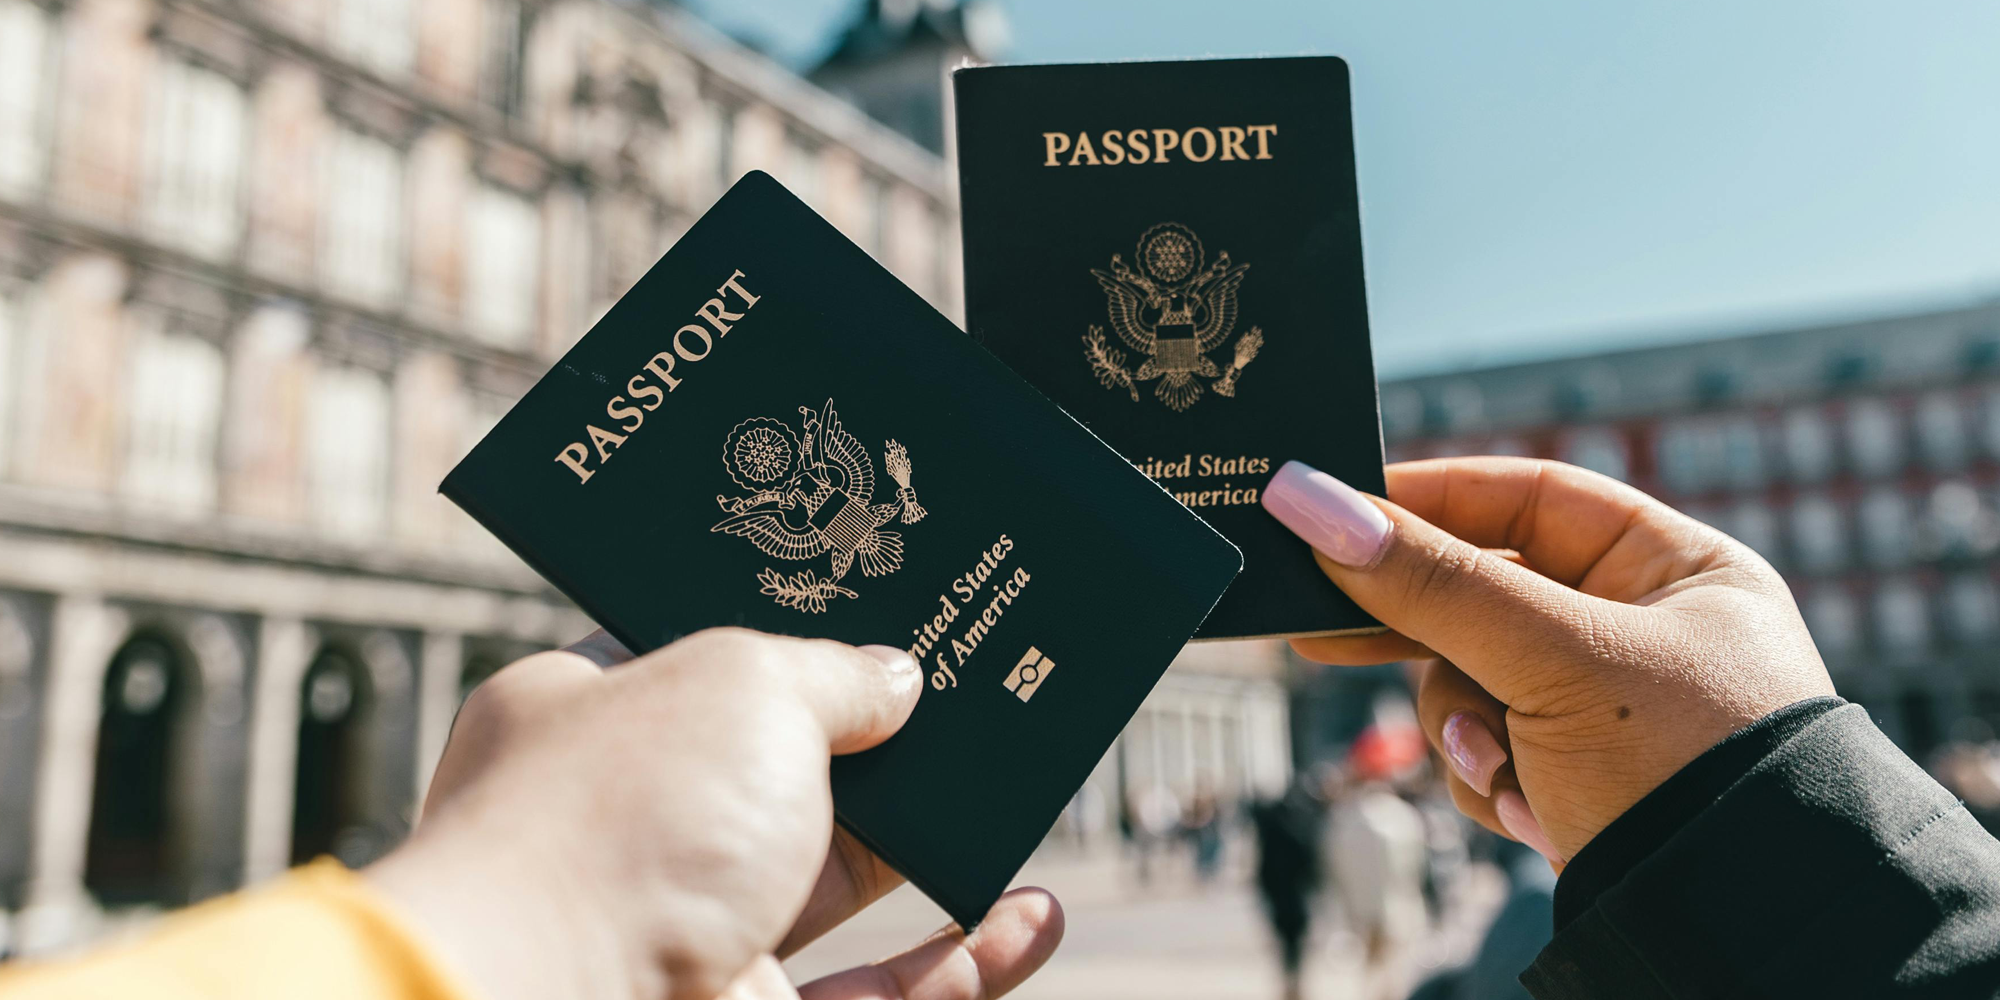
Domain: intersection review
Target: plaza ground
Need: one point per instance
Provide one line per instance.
(1173, 938)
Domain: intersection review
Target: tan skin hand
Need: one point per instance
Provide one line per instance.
(664, 829)
(1605, 639)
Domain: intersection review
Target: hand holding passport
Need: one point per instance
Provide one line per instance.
(770, 431)
(540, 872)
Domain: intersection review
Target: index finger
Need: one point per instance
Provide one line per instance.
(1017, 936)
(851, 879)
(1562, 519)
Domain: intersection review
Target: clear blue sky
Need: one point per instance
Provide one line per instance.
(1547, 176)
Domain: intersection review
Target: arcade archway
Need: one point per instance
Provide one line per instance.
(134, 853)
(330, 806)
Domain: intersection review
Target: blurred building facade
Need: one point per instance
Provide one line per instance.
(894, 61)
(1217, 726)
(267, 268)
(1862, 459)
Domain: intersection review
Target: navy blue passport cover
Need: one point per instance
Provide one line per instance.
(770, 431)
(1202, 312)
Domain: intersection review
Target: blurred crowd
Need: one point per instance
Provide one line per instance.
(1364, 858)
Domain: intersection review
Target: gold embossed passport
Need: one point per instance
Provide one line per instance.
(1172, 252)
(769, 430)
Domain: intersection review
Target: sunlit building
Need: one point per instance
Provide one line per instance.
(1861, 458)
(267, 268)
(894, 60)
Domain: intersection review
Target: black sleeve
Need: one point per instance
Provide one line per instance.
(1804, 856)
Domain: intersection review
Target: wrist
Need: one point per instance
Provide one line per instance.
(497, 908)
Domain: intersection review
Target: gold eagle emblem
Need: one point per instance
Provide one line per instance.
(1174, 309)
(811, 493)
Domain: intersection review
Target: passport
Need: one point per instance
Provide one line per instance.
(1172, 252)
(770, 431)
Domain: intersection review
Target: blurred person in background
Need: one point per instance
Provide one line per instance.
(1517, 934)
(1447, 854)
(1634, 695)
(1289, 871)
(1202, 826)
(1152, 815)
(538, 873)
(1377, 851)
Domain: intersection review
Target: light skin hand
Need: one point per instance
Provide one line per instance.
(664, 829)
(1581, 641)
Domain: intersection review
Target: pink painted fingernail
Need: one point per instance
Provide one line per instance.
(1520, 822)
(1471, 750)
(1330, 515)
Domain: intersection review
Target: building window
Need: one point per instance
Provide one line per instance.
(625, 241)
(500, 62)
(1686, 455)
(1743, 453)
(1705, 453)
(1830, 617)
(725, 147)
(1677, 457)
(1460, 409)
(194, 157)
(1754, 525)
(1885, 527)
(361, 229)
(1874, 439)
(1990, 422)
(24, 72)
(503, 263)
(378, 34)
(1973, 608)
(1808, 445)
(1599, 449)
(1959, 525)
(1902, 618)
(875, 203)
(801, 170)
(1818, 536)
(1941, 431)
(173, 419)
(347, 452)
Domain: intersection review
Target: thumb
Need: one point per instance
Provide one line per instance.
(874, 699)
(1498, 621)
(861, 695)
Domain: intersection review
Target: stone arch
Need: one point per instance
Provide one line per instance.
(138, 845)
(171, 770)
(329, 799)
(353, 784)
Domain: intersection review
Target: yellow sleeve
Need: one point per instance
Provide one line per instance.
(318, 932)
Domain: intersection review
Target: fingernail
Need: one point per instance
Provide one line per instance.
(1330, 515)
(897, 660)
(1521, 823)
(905, 680)
(1471, 750)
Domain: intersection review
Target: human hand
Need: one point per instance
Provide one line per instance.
(1584, 641)
(664, 829)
